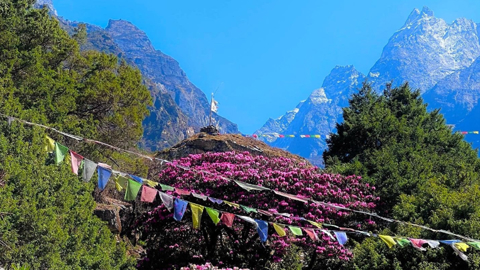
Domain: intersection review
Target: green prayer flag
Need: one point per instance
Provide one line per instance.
(165, 187)
(133, 188)
(296, 230)
(475, 245)
(248, 209)
(402, 241)
(60, 153)
(213, 215)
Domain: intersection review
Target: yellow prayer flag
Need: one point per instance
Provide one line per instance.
(197, 211)
(150, 183)
(279, 230)
(234, 205)
(49, 144)
(461, 246)
(318, 225)
(475, 132)
(316, 136)
(388, 240)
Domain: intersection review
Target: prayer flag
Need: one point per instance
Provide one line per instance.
(458, 252)
(197, 211)
(341, 237)
(136, 178)
(417, 243)
(49, 144)
(279, 229)
(234, 205)
(103, 176)
(475, 245)
(433, 243)
(88, 169)
(311, 233)
(248, 209)
(264, 212)
(217, 201)
(150, 183)
(262, 230)
(213, 215)
(249, 187)
(180, 191)
(461, 246)
(317, 136)
(199, 196)
(148, 194)
(132, 190)
(227, 219)
(249, 220)
(60, 153)
(388, 240)
(179, 208)
(214, 105)
(121, 183)
(166, 187)
(318, 225)
(293, 197)
(76, 161)
(296, 230)
(328, 233)
(449, 242)
(402, 241)
(167, 200)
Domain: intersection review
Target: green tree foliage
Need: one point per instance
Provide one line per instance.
(46, 212)
(423, 172)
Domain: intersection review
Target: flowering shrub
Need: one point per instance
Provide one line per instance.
(174, 244)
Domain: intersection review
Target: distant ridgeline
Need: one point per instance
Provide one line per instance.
(448, 77)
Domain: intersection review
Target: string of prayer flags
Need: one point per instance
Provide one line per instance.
(166, 187)
(167, 200)
(262, 230)
(179, 207)
(311, 233)
(132, 190)
(475, 245)
(88, 168)
(180, 191)
(250, 187)
(279, 229)
(76, 161)
(227, 219)
(136, 178)
(217, 201)
(213, 214)
(148, 194)
(388, 240)
(341, 237)
(418, 243)
(296, 230)
(248, 209)
(60, 153)
(197, 211)
(199, 196)
(103, 176)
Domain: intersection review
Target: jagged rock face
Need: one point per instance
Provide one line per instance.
(425, 50)
(48, 4)
(315, 116)
(162, 69)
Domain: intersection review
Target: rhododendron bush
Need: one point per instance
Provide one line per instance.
(174, 244)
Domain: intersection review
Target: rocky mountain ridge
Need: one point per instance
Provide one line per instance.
(440, 59)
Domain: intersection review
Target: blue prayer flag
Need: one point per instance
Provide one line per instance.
(103, 176)
(341, 237)
(136, 178)
(262, 230)
(180, 206)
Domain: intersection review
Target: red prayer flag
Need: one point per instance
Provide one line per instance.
(281, 136)
(311, 233)
(148, 194)
(227, 219)
(76, 160)
(182, 191)
(464, 132)
(307, 136)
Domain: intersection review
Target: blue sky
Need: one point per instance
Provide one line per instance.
(264, 55)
